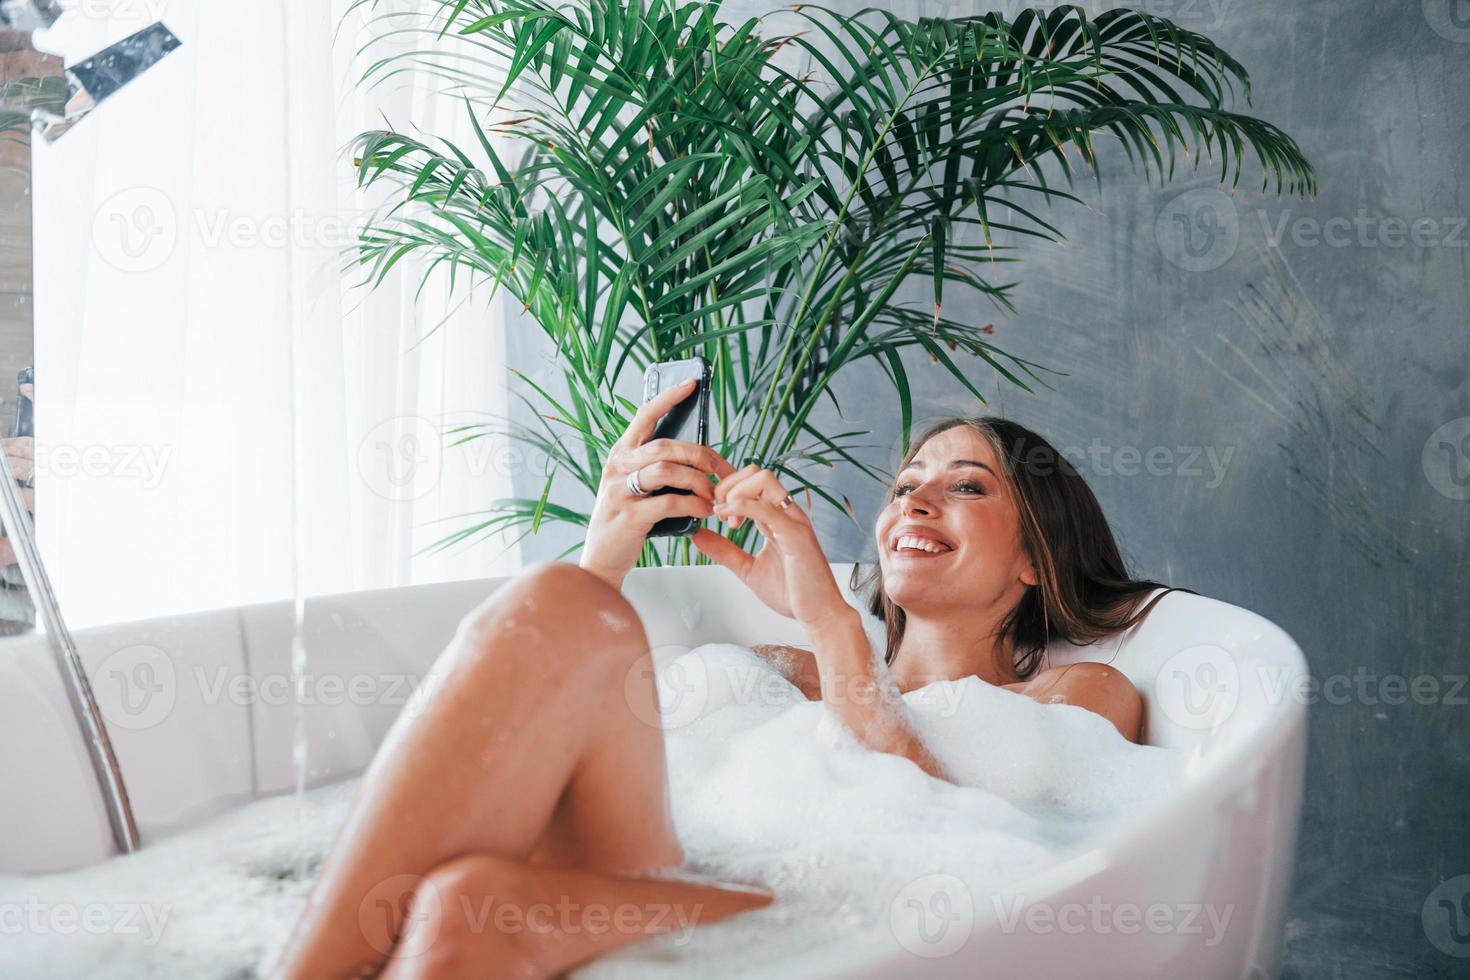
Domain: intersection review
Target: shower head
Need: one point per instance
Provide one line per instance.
(96, 79)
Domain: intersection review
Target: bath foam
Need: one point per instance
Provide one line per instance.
(212, 902)
(769, 788)
(766, 788)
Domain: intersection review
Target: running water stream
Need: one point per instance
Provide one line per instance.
(298, 279)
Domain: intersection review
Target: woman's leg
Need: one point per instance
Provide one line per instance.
(539, 737)
(486, 918)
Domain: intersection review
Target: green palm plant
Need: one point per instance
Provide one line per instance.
(22, 96)
(685, 188)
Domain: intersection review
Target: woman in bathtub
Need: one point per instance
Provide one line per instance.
(513, 823)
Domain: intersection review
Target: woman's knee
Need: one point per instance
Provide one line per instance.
(558, 608)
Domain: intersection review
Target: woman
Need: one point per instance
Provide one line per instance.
(511, 827)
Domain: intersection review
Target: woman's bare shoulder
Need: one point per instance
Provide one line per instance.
(1098, 687)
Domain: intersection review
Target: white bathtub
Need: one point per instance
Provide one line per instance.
(201, 715)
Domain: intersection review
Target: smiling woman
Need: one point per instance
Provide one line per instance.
(992, 546)
(541, 745)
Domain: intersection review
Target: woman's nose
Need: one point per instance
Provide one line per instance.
(913, 503)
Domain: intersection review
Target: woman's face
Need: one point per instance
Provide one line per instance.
(955, 497)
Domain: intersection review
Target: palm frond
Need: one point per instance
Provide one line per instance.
(688, 185)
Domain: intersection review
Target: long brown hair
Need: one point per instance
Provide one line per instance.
(1083, 592)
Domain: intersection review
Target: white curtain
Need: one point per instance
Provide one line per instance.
(189, 266)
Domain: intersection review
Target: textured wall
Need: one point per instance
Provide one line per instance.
(1290, 366)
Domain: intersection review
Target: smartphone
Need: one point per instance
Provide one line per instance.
(687, 421)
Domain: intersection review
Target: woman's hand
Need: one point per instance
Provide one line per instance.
(791, 573)
(792, 576)
(620, 521)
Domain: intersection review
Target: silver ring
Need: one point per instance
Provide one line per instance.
(633, 486)
(785, 503)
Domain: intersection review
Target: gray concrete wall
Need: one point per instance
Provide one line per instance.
(1298, 370)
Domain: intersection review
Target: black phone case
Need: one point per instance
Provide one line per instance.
(688, 421)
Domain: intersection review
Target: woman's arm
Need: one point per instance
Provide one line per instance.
(791, 575)
(880, 723)
(858, 689)
(795, 664)
(1098, 687)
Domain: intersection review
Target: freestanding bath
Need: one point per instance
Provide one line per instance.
(203, 708)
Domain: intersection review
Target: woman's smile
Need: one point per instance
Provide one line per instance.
(908, 549)
(911, 539)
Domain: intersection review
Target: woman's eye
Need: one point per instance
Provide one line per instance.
(965, 487)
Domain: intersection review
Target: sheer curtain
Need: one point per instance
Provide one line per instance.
(189, 259)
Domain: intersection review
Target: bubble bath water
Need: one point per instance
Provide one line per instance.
(766, 788)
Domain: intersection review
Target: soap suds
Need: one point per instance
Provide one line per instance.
(766, 787)
(777, 790)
